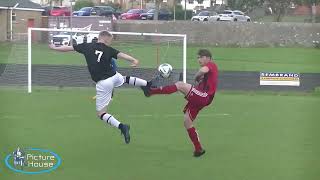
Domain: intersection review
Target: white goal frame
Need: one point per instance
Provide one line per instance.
(184, 36)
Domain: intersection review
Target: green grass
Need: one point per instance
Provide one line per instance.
(248, 136)
(233, 59)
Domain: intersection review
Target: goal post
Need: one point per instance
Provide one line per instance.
(167, 43)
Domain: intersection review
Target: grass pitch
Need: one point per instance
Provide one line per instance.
(252, 136)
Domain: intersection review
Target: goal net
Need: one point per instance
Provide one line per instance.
(13, 63)
(32, 63)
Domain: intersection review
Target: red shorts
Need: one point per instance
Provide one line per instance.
(196, 101)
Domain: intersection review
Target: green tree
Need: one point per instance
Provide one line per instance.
(245, 5)
(279, 8)
(180, 13)
(82, 3)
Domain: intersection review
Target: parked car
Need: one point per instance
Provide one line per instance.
(64, 38)
(85, 11)
(60, 11)
(104, 11)
(132, 14)
(203, 16)
(229, 15)
(163, 14)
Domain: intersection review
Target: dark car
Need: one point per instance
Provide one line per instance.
(132, 14)
(104, 11)
(85, 11)
(163, 14)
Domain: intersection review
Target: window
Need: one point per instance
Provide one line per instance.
(203, 13)
(14, 17)
(200, 1)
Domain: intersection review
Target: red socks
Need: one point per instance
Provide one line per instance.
(195, 139)
(164, 90)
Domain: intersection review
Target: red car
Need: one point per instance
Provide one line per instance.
(60, 11)
(132, 14)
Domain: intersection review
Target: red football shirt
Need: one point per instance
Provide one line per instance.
(210, 80)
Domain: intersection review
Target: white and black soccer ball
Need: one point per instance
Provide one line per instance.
(165, 70)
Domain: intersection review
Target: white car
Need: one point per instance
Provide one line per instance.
(64, 39)
(229, 15)
(203, 16)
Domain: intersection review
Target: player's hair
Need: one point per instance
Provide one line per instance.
(105, 33)
(204, 52)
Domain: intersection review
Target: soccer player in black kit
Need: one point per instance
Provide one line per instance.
(99, 56)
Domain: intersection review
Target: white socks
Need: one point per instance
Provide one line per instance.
(108, 118)
(135, 81)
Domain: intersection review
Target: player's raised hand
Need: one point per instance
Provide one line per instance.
(134, 63)
(61, 48)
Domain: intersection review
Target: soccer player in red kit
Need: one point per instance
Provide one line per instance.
(198, 96)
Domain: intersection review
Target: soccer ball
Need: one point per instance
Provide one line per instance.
(165, 70)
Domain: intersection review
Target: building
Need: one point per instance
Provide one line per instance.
(16, 16)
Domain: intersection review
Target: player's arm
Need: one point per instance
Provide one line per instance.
(134, 62)
(200, 74)
(114, 64)
(61, 48)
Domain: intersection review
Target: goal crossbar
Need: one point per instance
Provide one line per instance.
(184, 36)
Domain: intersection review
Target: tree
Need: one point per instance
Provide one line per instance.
(245, 5)
(279, 8)
(83, 3)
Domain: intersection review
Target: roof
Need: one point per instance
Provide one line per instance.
(22, 4)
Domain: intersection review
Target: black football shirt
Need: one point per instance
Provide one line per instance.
(98, 57)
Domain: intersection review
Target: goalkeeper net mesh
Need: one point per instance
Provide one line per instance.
(55, 69)
(13, 68)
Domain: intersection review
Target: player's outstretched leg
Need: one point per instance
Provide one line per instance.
(148, 91)
(136, 81)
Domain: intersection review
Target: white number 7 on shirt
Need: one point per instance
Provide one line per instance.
(100, 54)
